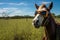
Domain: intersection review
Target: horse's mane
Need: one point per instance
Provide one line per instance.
(53, 18)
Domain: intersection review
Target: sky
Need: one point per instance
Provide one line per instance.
(25, 7)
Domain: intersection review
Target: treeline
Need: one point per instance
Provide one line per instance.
(27, 16)
(16, 17)
(56, 16)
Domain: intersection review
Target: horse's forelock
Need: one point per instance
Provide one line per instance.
(41, 7)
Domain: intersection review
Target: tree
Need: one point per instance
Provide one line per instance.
(5, 15)
(58, 16)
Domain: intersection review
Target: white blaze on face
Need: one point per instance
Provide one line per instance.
(38, 17)
(35, 19)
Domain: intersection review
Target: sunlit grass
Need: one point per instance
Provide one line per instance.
(20, 28)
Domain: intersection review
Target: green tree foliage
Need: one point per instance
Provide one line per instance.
(58, 16)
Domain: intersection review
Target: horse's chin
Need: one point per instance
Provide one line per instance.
(37, 26)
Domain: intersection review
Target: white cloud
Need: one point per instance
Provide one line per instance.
(7, 9)
(21, 3)
(10, 11)
(15, 11)
(2, 10)
(45, 2)
(2, 3)
(10, 8)
(17, 3)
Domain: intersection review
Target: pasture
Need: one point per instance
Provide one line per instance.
(20, 29)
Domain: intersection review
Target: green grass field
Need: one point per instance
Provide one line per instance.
(20, 29)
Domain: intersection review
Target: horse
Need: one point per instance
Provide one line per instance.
(43, 17)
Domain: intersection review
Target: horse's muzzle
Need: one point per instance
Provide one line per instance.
(36, 24)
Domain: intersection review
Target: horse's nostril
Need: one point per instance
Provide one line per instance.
(37, 21)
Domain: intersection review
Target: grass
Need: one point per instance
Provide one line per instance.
(19, 29)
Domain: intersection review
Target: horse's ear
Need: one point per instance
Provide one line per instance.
(50, 6)
(36, 6)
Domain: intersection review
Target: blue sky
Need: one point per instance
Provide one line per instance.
(25, 7)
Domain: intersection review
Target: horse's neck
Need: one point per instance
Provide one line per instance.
(50, 27)
(52, 22)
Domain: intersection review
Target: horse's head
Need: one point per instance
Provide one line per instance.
(41, 14)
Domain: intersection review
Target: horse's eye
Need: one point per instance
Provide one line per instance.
(43, 13)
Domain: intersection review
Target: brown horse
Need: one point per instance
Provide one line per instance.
(44, 18)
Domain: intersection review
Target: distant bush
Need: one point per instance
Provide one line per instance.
(58, 16)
